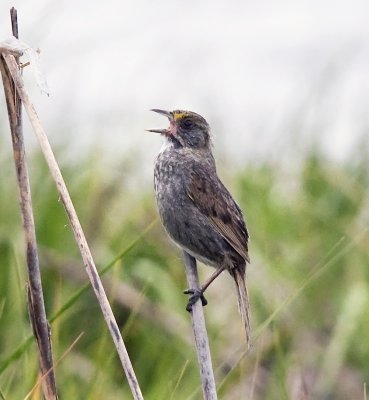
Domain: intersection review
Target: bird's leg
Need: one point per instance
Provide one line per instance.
(199, 293)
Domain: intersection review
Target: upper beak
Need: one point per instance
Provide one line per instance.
(167, 114)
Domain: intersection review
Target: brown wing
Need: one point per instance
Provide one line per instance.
(212, 198)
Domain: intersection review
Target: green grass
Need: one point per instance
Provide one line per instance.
(308, 285)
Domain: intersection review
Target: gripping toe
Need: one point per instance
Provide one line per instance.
(196, 294)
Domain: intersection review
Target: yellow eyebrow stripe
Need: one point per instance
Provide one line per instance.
(179, 115)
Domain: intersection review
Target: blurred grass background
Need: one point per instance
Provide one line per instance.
(308, 283)
(285, 88)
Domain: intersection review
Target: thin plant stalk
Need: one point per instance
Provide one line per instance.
(76, 227)
(36, 306)
(199, 330)
(16, 353)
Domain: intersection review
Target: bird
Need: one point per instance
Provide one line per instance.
(196, 209)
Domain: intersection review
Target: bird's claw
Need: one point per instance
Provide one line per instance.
(195, 295)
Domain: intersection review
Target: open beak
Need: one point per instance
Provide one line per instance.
(167, 114)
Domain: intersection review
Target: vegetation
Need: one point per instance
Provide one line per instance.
(308, 285)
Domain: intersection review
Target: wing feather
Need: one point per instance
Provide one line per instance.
(213, 199)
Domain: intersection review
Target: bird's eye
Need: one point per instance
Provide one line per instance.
(187, 123)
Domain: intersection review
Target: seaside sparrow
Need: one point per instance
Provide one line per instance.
(196, 209)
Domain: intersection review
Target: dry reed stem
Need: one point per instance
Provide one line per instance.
(76, 227)
(199, 330)
(58, 361)
(36, 306)
(126, 296)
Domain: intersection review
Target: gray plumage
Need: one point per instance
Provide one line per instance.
(196, 209)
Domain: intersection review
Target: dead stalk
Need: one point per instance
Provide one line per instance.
(199, 330)
(36, 306)
(76, 227)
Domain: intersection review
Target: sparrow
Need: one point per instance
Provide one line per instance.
(196, 209)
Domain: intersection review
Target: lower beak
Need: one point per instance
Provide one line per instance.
(162, 131)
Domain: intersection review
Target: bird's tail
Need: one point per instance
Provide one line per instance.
(243, 301)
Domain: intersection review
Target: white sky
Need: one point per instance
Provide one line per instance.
(263, 73)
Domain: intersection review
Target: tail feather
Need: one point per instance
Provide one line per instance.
(243, 301)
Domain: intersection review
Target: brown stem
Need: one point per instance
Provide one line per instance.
(36, 307)
(76, 227)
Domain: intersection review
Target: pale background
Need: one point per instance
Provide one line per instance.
(266, 75)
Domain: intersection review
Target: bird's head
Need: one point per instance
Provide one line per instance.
(186, 129)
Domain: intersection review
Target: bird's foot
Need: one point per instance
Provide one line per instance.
(195, 295)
